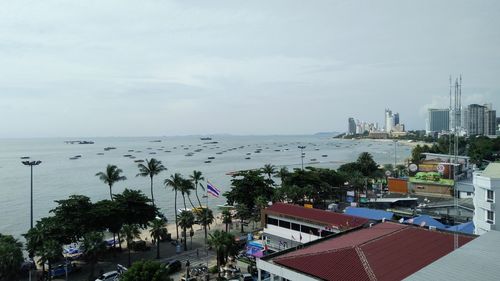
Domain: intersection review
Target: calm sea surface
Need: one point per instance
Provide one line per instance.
(58, 176)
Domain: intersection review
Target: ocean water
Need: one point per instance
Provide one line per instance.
(58, 177)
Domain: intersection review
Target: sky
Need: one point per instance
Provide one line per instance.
(163, 68)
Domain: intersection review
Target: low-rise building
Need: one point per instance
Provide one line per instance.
(288, 225)
(486, 191)
(385, 251)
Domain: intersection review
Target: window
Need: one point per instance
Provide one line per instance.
(296, 227)
(490, 217)
(284, 224)
(489, 195)
(469, 193)
(272, 221)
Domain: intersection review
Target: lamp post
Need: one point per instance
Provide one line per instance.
(302, 147)
(31, 164)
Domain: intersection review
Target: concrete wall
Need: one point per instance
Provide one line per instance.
(481, 206)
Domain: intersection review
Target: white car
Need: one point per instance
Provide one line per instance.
(108, 276)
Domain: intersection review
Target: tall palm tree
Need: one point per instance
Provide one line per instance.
(222, 242)
(186, 220)
(157, 231)
(227, 218)
(269, 170)
(152, 168)
(130, 232)
(110, 176)
(175, 181)
(196, 177)
(185, 190)
(205, 218)
(94, 246)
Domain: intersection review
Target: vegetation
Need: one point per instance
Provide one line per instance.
(186, 220)
(130, 232)
(227, 218)
(146, 271)
(224, 245)
(110, 177)
(93, 248)
(11, 257)
(157, 231)
(152, 168)
(175, 181)
(196, 177)
(205, 217)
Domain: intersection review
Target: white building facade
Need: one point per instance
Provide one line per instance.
(486, 191)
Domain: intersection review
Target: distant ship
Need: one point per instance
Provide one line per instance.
(206, 138)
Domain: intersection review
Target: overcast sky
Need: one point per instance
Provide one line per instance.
(154, 68)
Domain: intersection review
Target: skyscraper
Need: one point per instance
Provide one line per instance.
(490, 121)
(439, 120)
(476, 125)
(389, 120)
(351, 126)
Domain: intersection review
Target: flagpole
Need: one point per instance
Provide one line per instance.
(206, 246)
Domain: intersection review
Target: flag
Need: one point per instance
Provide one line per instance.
(212, 190)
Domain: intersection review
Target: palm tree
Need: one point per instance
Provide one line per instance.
(186, 220)
(175, 181)
(93, 246)
(110, 176)
(196, 178)
(205, 218)
(130, 232)
(269, 170)
(152, 168)
(227, 218)
(283, 173)
(157, 231)
(222, 242)
(50, 251)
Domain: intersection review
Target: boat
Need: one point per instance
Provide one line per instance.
(248, 158)
(74, 158)
(211, 158)
(127, 155)
(109, 148)
(25, 157)
(313, 159)
(189, 154)
(205, 138)
(324, 155)
(208, 161)
(100, 153)
(138, 161)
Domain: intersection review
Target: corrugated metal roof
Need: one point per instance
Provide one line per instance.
(386, 251)
(466, 227)
(322, 217)
(370, 214)
(428, 220)
(477, 260)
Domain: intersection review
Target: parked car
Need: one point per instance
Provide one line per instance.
(61, 269)
(139, 245)
(173, 266)
(108, 276)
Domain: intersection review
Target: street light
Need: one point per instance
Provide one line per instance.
(302, 147)
(31, 164)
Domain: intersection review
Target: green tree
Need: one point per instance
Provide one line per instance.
(50, 252)
(135, 207)
(227, 218)
(110, 177)
(146, 271)
(175, 181)
(269, 170)
(185, 190)
(152, 168)
(11, 257)
(157, 231)
(186, 220)
(73, 216)
(196, 177)
(223, 243)
(367, 165)
(246, 186)
(130, 232)
(243, 213)
(107, 215)
(205, 217)
(93, 248)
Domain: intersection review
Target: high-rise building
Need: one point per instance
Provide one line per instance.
(476, 125)
(439, 120)
(490, 121)
(389, 120)
(396, 119)
(351, 126)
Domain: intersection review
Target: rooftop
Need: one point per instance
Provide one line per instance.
(386, 251)
(321, 217)
(477, 260)
(492, 171)
(370, 214)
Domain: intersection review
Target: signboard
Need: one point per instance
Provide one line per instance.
(413, 167)
(350, 193)
(310, 206)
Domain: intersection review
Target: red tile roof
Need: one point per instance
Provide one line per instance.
(321, 217)
(386, 251)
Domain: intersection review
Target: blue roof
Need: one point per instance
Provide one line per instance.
(429, 221)
(467, 227)
(371, 214)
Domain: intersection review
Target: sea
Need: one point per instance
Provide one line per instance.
(70, 168)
